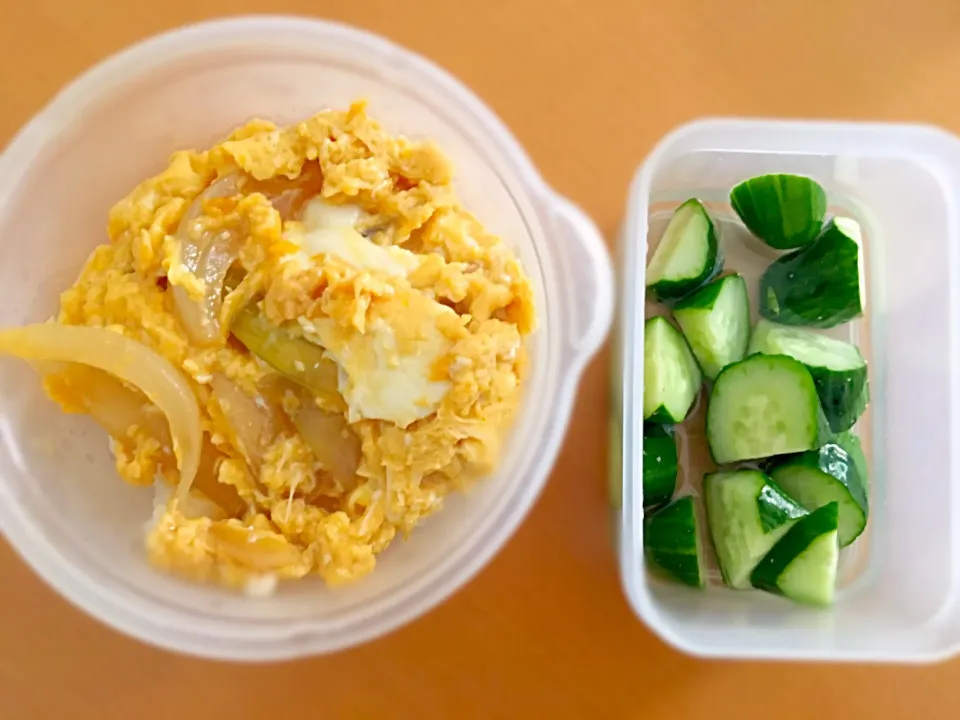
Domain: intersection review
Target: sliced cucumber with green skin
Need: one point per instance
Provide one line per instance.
(820, 285)
(827, 475)
(671, 542)
(761, 406)
(672, 377)
(850, 442)
(688, 254)
(746, 513)
(802, 566)
(837, 368)
(776, 507)
(659, 464)
(716, 322)
(785, 211)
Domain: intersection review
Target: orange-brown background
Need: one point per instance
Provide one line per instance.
(588, 86)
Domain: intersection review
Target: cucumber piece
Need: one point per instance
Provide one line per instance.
(851, 443)
(837, 368)
(819, 285)
(688, 254)
(761, 406)
(671, 542)
(716, 322)
(830, 474)
(776, 507)
(746, 514)
(659, 464)
(785, 211)
(802, 566)
(671, 375)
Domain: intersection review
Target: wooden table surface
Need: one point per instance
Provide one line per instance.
(588, 86)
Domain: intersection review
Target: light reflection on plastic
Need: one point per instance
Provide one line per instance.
(12, 444)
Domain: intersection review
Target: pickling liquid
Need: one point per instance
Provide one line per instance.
(746, 255)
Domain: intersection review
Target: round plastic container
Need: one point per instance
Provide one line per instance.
(61, 504)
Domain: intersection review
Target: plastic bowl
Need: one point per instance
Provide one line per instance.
(61, 504)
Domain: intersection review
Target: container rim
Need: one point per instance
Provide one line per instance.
(458, 567)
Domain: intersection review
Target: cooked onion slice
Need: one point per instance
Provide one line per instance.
(254, 421)
(226, 496)
(207, 256)
(288, 196)
(336, 448)
(300, 360)
(117, 407)
(256, 548)
(132, 362)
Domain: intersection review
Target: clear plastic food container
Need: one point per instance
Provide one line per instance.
(62, 505)
(897, 598)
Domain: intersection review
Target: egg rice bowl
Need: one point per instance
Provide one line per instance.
(300, 339)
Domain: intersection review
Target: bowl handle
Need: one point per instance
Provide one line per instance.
(588, 279)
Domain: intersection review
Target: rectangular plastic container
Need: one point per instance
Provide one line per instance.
(897, 600)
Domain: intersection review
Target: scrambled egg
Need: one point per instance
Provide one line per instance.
(353, 336)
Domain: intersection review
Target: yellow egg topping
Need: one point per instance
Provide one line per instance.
(312, 343)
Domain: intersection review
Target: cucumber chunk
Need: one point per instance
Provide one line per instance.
(802, 566)
(746, 514)
(830, 474)
(671, 375)
(659, 464)
(761, 406)
(688, 254)
(837, 368)
(851, 443)
(819, 285)
(671, 542)
(716, 322)
(785, 211)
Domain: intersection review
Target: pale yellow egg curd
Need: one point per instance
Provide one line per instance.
(300, 339)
